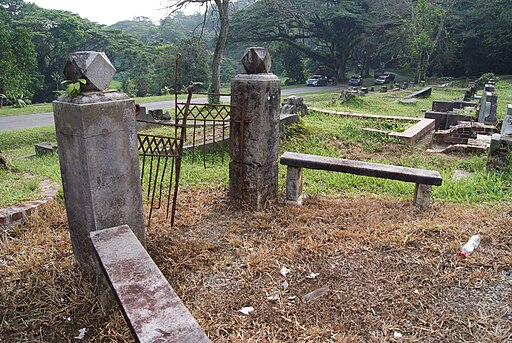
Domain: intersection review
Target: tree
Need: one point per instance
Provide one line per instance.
(222, 8)
(141, 27)
(193, 68)
(18, 77)
(481, 33)
(326, 31)
(291, 60)
(424, 28)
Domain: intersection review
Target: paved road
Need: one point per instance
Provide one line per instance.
(28, 121)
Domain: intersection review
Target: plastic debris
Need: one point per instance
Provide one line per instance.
(81, 333)
(315, 294)
(312, 276)
(292, 298)
(284, 271)
(470, 246)
(397, 335)
(274, 297)
(246, 310)
(285, 285)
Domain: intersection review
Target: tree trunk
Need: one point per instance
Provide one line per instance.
(223, 7)
(342, 69)
(419, 68)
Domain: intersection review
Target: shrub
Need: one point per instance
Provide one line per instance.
(15, 99)
(482, 80)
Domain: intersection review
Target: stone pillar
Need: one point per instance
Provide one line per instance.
(97, 140)
(254, 150)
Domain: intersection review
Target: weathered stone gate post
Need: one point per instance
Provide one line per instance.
(97, 143)
(254, 150)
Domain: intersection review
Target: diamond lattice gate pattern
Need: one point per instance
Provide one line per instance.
(201, 129)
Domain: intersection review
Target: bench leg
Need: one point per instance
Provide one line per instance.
(294, 194)
(422, 195)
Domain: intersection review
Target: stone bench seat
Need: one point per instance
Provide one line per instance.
(150, 306)
(424, 179)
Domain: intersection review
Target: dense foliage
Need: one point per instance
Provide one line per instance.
(334, 37)
(442, 37)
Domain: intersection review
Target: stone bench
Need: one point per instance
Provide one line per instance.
(424, 179)
(150, 306)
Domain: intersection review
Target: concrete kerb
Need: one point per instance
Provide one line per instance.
(18, 214)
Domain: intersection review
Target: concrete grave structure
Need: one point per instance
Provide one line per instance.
(422, 93)
(445, 120)
(97, 140)
(506, 127)
(294, 105)
(254, 144)
(488, 108)
(501, 144)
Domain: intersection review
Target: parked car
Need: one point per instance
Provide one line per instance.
(355, 80)
(317, 80)
(390, 76)
(385, 78)
(381, 80)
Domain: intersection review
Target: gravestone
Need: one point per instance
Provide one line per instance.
(254, 145)
(506, 127)
(294, 105)
(422, 93)
(488, 108)
(45, 148)
(442, 106)
(97, 139)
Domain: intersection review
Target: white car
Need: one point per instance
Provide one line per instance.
(317, 80)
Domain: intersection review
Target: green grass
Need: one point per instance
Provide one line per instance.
(16, 187)
(383, 103)
(326, 135)
(21, 138)
(30, 109)
(22, 159)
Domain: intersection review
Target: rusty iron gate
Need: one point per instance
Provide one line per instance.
(197, 125)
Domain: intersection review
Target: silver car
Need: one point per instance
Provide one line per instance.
(317, 80)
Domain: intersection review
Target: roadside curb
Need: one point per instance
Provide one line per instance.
(18, 214)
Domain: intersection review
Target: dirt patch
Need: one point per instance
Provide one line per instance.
(389, 267)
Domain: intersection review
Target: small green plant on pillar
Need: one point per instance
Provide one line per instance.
(74, 88)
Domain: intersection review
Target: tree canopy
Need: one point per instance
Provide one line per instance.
(334, 37)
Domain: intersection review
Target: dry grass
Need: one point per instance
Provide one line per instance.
(388, 265)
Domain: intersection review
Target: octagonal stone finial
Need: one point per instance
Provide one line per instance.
(257, 61)
(93, 66)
